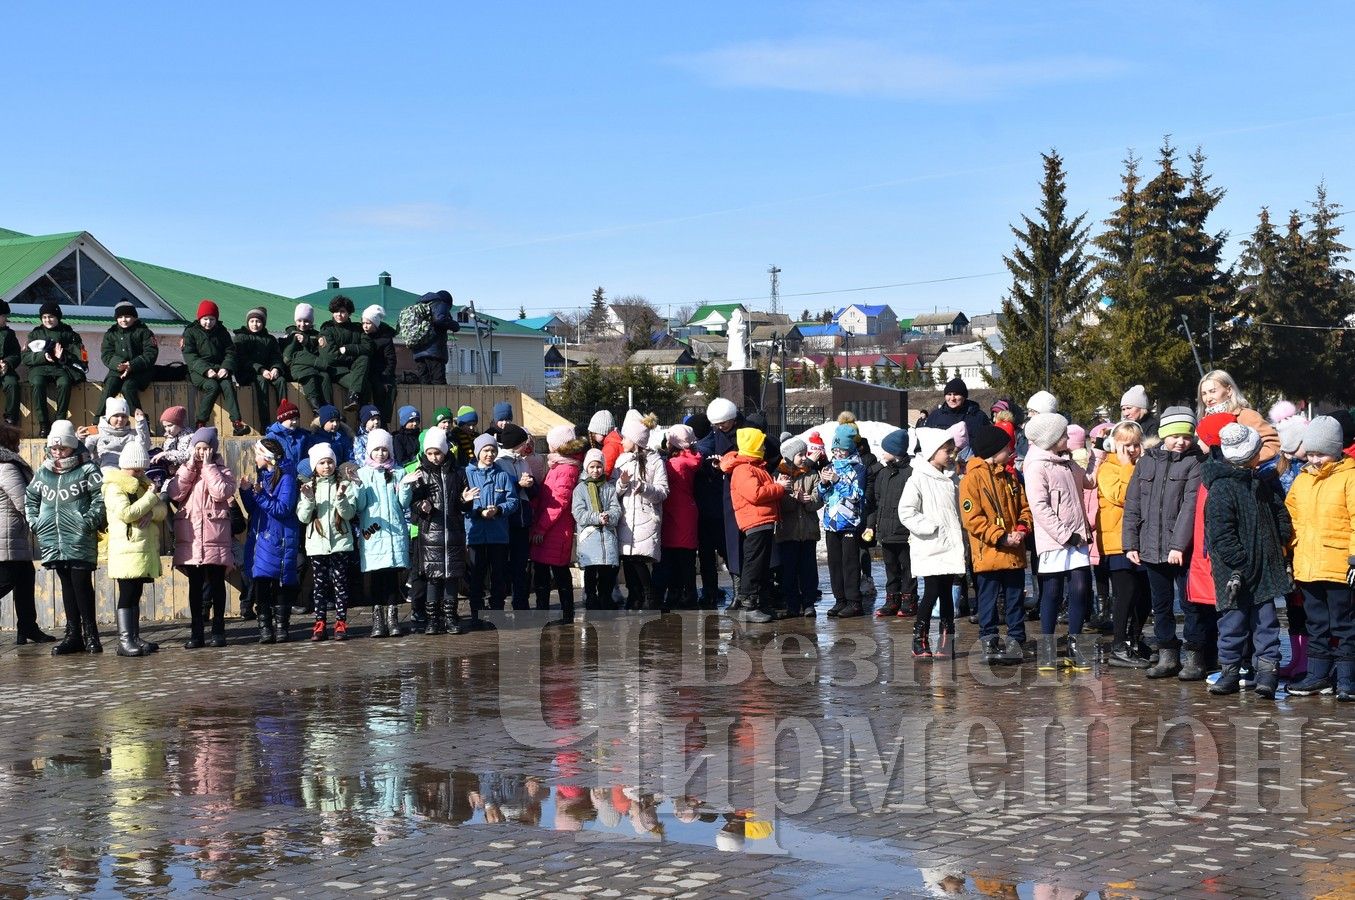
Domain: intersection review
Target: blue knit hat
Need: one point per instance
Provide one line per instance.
(328, 414)
(503, 410)
(844, 438)
(407, 414)
(466, 415)
(366, 414)
(896, 443)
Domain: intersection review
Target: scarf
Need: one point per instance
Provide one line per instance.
(594, 492)
(62, 466)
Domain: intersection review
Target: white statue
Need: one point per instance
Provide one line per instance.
(737, 333)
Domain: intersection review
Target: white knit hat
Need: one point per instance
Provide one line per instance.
(374, 314)
(634, 429)
(1239, 443)
(1046, 429)
(558, 436)
(133, 456)
(321, 451)
(721, 410)
(62, 434)
(435, 439)
(116, 406)
(1136, 397)
(305, 312)
(380, 437)
(603, 422)
(929, 440)
(1042, 402)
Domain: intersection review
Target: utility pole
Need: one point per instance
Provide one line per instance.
(776, 288)
(480, 346)
(1185, 326)
(1211, 340)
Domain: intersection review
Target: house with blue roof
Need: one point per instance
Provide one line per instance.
(862, 319)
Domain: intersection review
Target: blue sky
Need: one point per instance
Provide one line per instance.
(526, 153)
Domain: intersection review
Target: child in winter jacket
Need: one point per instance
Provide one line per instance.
(288, 432)
(407, 437)
(174, 453)
(438, 502)
(883, 526)
(797, 529)
(204, 548)
(552, 529)
(65, 509)
(527, 470)
(1200, 604)
(997, 518)
(842, 488)
(1128, 579)
(1247, 529)
(494, 501)
(680, 539)
(326, 511)
(929, 508)
(641, 486)
(596, 515)
(369, 419)
(330, 430)
(1322, 505)
(135, 510)
(273, 541)
(757, 505)
(1054, 485)
(115, 431)
(1159, 527)
(383, 531)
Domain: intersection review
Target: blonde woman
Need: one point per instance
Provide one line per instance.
(1219, 393)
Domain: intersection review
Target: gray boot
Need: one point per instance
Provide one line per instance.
(1168, 664)
(379, 626)
(1267, 678)
(127, 632)
(393, 620)
(1192, 666)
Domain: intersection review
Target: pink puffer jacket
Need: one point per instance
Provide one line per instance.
(679, 510)
(552, 513)
(202, 526)
(1054, 486)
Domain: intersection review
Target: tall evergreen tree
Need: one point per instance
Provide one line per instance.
(1264, 294)
(1327, 294)
(596, 320)
(1048, 264)
(1207, 292)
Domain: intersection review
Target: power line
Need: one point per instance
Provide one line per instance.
(1305, 327)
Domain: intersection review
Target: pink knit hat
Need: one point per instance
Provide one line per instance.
(1077, 437)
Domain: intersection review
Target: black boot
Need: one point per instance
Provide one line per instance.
(92, 642)
(893, 603)
(282, 623)
(1230, 680)
(197, 622)
(1077, 657)
(435, 611)
(1267, 678)
(922, 647)
(32, 633)
(218, 638)
(72, 642)
(1192, 666)
(379, 621)
(393, 619)
(247, 604)
(1168, 664)
(127, 622)
(908, 604)
(1124, 656)
(268, 633)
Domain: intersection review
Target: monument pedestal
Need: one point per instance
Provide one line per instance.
(744, 387)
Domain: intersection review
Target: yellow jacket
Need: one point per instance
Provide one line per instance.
(1322, 505)
(1112, 486)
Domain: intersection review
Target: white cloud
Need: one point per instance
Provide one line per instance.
(403, 216)
(866, 68)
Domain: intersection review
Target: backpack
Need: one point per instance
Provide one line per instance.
(416, 325)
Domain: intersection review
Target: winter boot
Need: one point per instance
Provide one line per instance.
(1318, 680)
(127, 620)
(1267, 678)
(992, 651)
(1013, 651)
(945, 645)
(393, 619)
(1123, 655)
(1229, 682)
(247, 604)
(908, 604)
(1168, 664)
(282, 623)
(268, 632)
(922, 647)
(893, 603)
(1192, 666)
(1345, 681)
(435, 612)
(1077, 657)
(849, 611)
(72, 642)
(379, 627)
(1046, 657)
(32, 632)
(218, 608)
(1297, 666)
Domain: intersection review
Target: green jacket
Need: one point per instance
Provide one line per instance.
(256, 353)
(302, 357)
(40, 342)
(350, 337)
(9, 348)
(203, 349)
(136, 345)
(66, 512)
(327, 516)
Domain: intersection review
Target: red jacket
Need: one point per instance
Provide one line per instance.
(679, 510)
(611, 449)
(1200, 579)
(553, 513)
(756, 496)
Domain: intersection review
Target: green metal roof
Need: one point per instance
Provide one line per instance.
(725, 309)
(20, 255)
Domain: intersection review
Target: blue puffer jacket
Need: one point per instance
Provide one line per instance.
(844, 500)
(273, 541)
(339, 440)
(496, 489)
(383, 528)
(293, 440)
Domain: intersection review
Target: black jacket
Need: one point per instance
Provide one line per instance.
(256, 353)
(9, 349)
(969, 413)
(883, 514)
(203, 349)
(1246, 528)
(348, 337)
(441, 316)
(1159, 510)
(437, 509)
(383, 354)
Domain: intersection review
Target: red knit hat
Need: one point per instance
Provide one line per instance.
(815, 438)
(1210, 426)
(175, 415)
(208, 308)
(287, 409)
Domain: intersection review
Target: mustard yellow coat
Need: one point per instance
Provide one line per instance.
(1322, 505)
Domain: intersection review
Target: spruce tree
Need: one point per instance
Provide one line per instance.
(596, 319)
(1049, 259)
(1264, 294)
(1327, 295)
(1207, 293)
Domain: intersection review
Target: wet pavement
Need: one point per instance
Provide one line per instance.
(639, 755)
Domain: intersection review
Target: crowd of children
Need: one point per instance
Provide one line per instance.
(1221, 514)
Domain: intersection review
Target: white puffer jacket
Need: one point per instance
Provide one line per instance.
(641, 503)
(930, 509)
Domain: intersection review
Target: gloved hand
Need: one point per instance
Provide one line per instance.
(1075, 541)
(1234, 585)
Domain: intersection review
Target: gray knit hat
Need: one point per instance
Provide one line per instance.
(1044, 430)
(1323, 435)
(1176, 420)
(1239, 443)
(791, 447)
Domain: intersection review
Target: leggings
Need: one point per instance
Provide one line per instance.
(598, 584)
(679, 565)
(1130, 590)
(385, 586)
(560, 576)
(266, 592)
(1077, 585)
(77, 594)
(331, 583)
(711, 541)
(937, 587)
(18, 576)
(129, 593)
(639, 582)
(206, 593)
